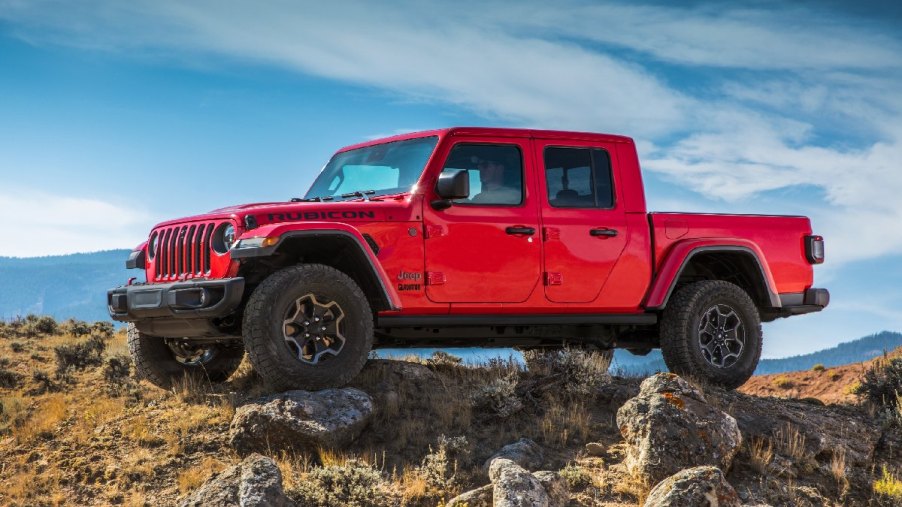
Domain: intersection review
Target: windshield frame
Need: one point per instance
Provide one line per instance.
(319, 187)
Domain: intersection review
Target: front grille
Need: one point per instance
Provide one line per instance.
(183, 251)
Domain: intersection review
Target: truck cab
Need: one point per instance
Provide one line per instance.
(465, 237)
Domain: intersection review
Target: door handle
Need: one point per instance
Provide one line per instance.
(603, 232)
(518, 229)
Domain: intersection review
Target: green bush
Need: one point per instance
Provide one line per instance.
(881, 384)
(498, 397)
(79, 356)
(818, 367)
(353, 484)
(9, 379)
(76, 328)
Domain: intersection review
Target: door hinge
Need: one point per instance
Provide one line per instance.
(435, 278)
(554, 278)
(550, 233)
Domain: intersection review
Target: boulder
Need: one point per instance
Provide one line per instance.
(694, 487)
(514, 486)
(670, 426)
(555, 486)
(301, 420)
(479, 497)
(523, 452)
(254, 482)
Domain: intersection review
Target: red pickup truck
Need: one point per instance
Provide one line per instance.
(463, 237)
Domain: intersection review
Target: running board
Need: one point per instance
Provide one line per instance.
(637, 319)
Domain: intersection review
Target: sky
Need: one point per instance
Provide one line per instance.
(117, 115)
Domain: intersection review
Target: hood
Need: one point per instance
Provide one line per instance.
(380, 209)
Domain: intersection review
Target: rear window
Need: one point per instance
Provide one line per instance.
(578, 177)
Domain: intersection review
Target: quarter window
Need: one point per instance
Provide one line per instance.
(496, 173)
(578, 178)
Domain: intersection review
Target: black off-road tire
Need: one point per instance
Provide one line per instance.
(263, 328)
(680, 336)
(156, 362)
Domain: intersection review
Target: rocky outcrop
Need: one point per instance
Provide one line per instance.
(300, 420)
(514, 486)
(479, 497)
(255, 482)
(694, 487)
(523, 452)
(555, 486)
(670, 426)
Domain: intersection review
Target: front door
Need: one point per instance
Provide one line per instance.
(585, 227)
(486, 248)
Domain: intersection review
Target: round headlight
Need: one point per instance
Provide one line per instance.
(224, 238)
(152, 246)
(228, 236)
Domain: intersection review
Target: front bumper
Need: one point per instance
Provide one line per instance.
(799, 303)
(196, 299)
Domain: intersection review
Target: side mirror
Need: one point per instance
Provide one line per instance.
(453, 184)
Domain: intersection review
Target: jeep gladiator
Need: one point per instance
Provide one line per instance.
(484, 237)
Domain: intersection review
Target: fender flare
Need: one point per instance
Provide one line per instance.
(681, 254)
(282, 233)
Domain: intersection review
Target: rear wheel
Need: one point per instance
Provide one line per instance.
(308, 327)
(712, 330)
(165, 361)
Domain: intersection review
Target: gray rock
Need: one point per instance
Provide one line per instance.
(523, 452)
(301, 420)
(254, 482)
(479, 497)
(695, 487)
(514, 486)
(555, 486)
(669, 426)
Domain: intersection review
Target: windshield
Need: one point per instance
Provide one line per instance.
(383, 169)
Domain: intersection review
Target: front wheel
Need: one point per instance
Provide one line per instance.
(712, 330)
(165, 361)
(308, 327)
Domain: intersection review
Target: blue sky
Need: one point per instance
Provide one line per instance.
(115, 115)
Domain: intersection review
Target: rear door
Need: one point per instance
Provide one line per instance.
(584, 225)
(486, 248)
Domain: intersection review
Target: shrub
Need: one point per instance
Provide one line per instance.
(439, 468)
(576, 477)
(881, 384)
(888, 485)
(103, 330)
(499, 396)
(9, 379)
(818, 367)
(76, 328)
(79, 356)
(17, 347)
(581, 371)
(116, 372)
(442, 358)
(43, 383)
(354, 484)
(782, 383)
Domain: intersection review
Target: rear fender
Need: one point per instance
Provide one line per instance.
(681, 254)
(279, 236)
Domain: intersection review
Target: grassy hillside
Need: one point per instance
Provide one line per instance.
(63, 286)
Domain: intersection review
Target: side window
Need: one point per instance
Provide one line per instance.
(578, 178)
(496, 173)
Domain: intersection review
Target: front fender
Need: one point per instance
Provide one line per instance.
(266, 240)
(682, 252)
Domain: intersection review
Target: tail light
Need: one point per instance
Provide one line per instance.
(814, 249)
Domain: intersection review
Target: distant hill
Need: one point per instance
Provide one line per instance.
(61, 285)
(854, 351)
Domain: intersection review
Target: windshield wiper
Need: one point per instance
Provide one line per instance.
(312, 199)
(359, 193)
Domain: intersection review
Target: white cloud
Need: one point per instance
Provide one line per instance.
(38, 223)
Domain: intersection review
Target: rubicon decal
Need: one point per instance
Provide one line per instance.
(319, 215)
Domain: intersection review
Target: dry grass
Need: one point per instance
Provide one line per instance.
(565, 423)
(838, 468)
(790, 441)
(761, 453)
(783, 383)
(50, 411)
(192, 478)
